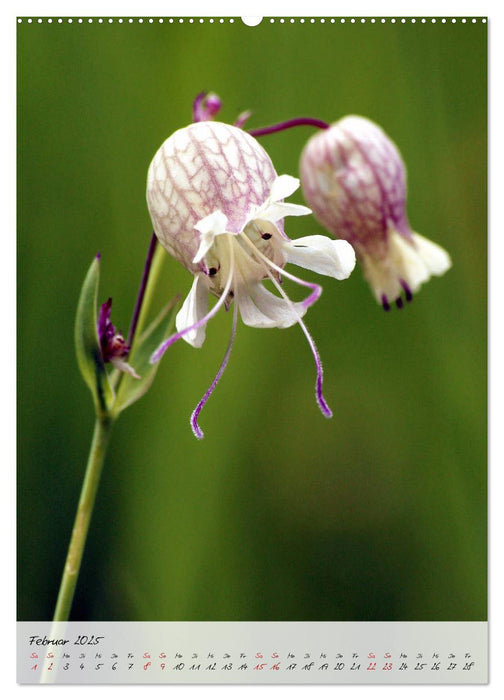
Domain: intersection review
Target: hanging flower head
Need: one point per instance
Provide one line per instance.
(354, 180)
(216, 205)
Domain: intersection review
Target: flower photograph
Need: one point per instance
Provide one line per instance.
(251, 319)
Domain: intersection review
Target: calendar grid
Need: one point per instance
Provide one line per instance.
(253, 652)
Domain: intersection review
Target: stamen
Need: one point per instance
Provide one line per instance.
(320, 374)
(157, 354)
(385, 304)
(326, 411)
(194, 417)
(318, 363)
(399, 302)
(409, 293)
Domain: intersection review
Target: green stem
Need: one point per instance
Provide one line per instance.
(101, 436)
(146, 292)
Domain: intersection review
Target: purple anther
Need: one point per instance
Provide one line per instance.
(407, 290)
(399, 302)
(385, 304)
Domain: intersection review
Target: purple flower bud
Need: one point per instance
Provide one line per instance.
(112, 344)
(354, 180)
(217, 206)
(206, 106)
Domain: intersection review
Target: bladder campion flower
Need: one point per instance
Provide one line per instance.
(216, 205)
(354, 180)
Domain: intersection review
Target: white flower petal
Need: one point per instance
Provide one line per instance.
(274, 209)
(403, 259)
(278, 210)
(435, 258)
(193, 310)
(285, 312)
(262, 309)
(322, 255)
(412, 262)
(283, 186)
(210, 226)
(123, 366)
(251, 315)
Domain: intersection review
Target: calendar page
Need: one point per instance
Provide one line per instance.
(250, 652)
(252, 342)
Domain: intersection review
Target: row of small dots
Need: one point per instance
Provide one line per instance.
(272, 20)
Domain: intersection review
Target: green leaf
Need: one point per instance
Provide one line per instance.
(89, 357)
(131, 389)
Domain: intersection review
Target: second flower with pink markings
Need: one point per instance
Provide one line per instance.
(217, 206)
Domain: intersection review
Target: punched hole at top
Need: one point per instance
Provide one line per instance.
(251, 21)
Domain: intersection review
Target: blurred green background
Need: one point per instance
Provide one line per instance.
(278, 514)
